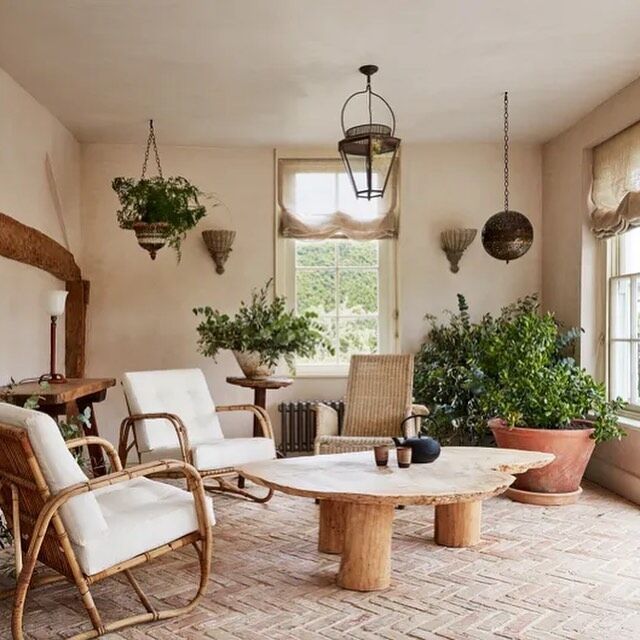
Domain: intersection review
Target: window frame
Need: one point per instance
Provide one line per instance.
(613, 275)
(388, 315)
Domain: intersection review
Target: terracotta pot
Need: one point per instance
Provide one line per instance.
(252, 365)
(151, 236)
(571, 447)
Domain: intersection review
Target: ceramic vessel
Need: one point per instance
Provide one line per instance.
(151, 236)
(561, 478)
(252, 365)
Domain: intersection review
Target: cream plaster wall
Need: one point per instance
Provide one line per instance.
(27, 133)
(140, 313)
(573, 262)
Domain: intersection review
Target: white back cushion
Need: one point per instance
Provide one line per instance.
(183, 392)
(81, 515)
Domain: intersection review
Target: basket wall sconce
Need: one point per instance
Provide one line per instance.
(454, 242)
(219, 243)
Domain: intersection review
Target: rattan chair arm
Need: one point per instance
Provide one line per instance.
(181, 431)
(110, 450)
(419, 410)
(263, 417)
(338, 444)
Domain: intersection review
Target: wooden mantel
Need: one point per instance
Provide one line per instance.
(28, 245)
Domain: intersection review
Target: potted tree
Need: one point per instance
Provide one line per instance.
(261, 333)
(513, 373)
(542, 400)
(159, 210)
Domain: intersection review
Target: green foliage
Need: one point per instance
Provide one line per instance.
(531, 383)
(263, 326)
(172, 200)
(516, 366)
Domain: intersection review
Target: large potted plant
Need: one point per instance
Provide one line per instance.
(542, 400)
(261, 333)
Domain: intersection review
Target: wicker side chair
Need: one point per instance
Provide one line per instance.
(88, 530)
(172, 415)
(379, 398)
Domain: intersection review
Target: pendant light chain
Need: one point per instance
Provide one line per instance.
(506, 151)
(151, 141)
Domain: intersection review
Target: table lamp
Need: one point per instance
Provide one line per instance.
(55, 307)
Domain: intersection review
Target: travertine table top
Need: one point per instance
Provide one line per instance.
(460, 474)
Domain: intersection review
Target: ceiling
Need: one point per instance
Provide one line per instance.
(275, 72)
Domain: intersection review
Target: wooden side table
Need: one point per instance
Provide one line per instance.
(68, 399)
(260, 386)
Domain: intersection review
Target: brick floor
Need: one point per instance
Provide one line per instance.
(539, 574)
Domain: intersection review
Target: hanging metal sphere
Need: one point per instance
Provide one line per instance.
(507, 235)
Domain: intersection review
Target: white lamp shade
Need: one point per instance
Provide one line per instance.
(55, 302)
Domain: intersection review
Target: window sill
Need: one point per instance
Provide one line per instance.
(629, 422)
(312, 372)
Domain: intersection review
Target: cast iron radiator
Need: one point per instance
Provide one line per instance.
(298, 422)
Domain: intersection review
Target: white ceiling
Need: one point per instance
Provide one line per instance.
(275, 72)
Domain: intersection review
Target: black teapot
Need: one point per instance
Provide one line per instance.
(423, 450)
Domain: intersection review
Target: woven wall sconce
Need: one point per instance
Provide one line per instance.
(454, 243)
(219, 243)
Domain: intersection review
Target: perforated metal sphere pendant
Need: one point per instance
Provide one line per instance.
(507, 235)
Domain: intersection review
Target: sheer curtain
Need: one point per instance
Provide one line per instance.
(317, 201)
(616, 184)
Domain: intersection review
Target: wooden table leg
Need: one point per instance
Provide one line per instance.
(95, 453)
(331, 531)
(260, 400)
(458, 524)
(366, 552)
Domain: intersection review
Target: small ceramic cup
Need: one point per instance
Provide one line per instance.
(404, 456)
(381, 453)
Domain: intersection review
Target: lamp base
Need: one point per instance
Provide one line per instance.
(52, 378)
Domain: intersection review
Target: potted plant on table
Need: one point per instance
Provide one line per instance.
(159, 210)
(261, 333)
(543, 401)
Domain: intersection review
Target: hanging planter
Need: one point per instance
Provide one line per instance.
(159, 210)
(507, 235)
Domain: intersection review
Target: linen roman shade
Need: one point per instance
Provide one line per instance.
(616, 184)
(317, 201)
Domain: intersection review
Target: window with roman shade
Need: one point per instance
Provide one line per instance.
(317, 202)
(616, 184)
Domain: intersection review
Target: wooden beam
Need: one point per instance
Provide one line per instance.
(30, 246)
(75, 323)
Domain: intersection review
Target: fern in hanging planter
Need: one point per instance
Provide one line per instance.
(160, 210)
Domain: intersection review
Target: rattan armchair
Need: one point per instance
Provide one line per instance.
(87, 530)
(172, 415)
(379, 398)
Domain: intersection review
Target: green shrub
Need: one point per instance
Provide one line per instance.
(516, 365)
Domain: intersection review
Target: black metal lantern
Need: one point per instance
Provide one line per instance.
(507, 235)
(369, 150)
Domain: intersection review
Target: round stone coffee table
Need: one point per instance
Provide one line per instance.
(358, 499)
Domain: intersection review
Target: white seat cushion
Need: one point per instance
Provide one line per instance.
(183, 392)
(220, 454)
(141, 514)
(81, 515)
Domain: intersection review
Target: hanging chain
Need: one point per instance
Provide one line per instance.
(151, 141)
(506, 151)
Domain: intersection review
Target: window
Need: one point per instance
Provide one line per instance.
(624, 318)
(332, 260)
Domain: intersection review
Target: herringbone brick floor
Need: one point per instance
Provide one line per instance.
(539, 574)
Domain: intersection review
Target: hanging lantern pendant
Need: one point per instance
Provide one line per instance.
(369, 150)
(507, 235)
